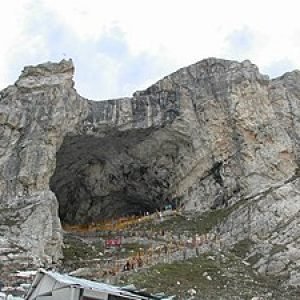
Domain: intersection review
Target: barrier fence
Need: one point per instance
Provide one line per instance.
(167, 253)
(117, 224)
(180, 248)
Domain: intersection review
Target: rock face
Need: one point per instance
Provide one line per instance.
(213, 134)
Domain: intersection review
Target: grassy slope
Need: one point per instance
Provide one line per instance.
(230, 277)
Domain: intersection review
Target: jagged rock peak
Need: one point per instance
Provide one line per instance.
(50, 73)
(47, 74)
(206, 69)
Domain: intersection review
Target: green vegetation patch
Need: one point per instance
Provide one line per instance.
(242, 248)
(277, 248)
(75, 249)
(193, 223)
(212, 277)
(253, 259)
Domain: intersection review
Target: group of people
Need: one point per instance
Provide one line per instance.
(133, 264)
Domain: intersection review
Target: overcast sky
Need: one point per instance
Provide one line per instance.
(120, 46)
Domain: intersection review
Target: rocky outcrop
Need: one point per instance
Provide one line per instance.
(214, 134)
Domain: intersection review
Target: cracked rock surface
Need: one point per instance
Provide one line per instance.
(212, 134)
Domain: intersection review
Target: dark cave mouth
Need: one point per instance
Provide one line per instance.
(98, 179)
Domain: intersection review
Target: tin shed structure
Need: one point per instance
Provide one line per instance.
(54, 286)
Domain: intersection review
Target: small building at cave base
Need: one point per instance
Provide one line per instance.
(55, 286)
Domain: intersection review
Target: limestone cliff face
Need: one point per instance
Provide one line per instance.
(209, 135)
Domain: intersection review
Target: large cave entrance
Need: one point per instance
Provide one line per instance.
(120, 174)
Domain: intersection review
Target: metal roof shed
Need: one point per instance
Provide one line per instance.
(54, 286)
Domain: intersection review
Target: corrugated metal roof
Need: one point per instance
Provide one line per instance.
(97, 286)
(70, 280)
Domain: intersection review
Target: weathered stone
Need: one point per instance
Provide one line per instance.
(212, 134)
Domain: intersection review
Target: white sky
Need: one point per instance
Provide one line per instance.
(119, 46)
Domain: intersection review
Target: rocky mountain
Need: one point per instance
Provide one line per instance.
(215, 134)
